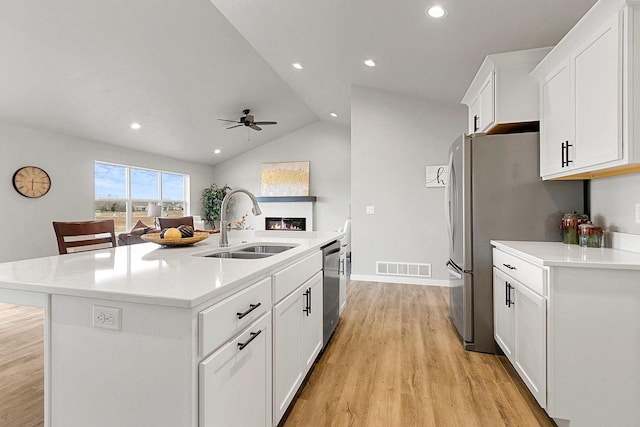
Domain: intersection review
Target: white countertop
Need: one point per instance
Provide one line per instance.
(562, 255)
(152, 274)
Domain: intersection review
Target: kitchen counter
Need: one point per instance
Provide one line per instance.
(152, 274)
(558, 254)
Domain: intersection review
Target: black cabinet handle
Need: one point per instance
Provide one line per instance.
(564, 162)
(309, 302)
(242, 345)
(509, 300)
(251, 308)
(510, 267)
(476, 126)
(307, 308)
(506, 293)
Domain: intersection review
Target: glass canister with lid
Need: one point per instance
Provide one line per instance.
(590, 235)
(570, 223)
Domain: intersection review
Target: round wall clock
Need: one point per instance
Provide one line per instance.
(31, 181)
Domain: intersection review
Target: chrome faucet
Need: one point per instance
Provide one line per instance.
(224, 239)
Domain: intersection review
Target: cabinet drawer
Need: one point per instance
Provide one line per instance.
(285, 281)
(220, 322)
(528, 274)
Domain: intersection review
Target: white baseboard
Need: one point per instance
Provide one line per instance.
(399, 279)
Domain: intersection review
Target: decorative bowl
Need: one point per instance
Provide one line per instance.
(198, 236)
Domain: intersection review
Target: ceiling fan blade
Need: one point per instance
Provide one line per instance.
(231, 121)
(254, 127)
(265, 123)
(231, 127)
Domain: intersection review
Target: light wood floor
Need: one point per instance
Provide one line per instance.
(395, 360)
(21, 366)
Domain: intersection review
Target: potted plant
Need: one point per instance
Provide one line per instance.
(212, 198)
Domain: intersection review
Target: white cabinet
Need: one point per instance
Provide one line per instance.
(531, 340)
(587, 82)
(312, 322)
(520, 319)
(297, 341)
(503, 96)
(555, 123)
(503, 313)
(597, 74)
(235, 381)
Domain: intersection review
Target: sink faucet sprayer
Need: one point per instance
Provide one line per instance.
(224, 239)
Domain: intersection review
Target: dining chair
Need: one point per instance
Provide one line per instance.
(174, 222)
(84, 235)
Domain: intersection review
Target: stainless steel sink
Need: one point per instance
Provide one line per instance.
(266, 249)
(250, 251)
(239, 255)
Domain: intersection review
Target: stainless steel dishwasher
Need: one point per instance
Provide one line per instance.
(330, 289)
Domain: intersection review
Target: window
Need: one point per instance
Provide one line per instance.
(123, 193)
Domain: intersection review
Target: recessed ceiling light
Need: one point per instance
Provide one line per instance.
(217, 151)
(297, 65)
(436, 11)
(333, 114)
(370, 63)
(135, 126)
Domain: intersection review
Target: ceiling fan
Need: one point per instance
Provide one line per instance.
(248, 120)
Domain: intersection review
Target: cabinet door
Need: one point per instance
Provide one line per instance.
(312, 322)
(531, 341)
(235, 381)
(474, 116)
(503, 313)
(487, 103)
(598, 96)
(287, 351)
(555, 123)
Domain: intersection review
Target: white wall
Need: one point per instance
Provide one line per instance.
(393, 139)
(613, 202)
(25, 225)
(325, 145)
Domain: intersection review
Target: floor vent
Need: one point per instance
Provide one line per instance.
(403, 269)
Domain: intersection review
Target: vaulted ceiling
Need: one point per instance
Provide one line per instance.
(90, 68)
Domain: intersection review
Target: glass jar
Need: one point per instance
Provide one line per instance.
(590, 235)
(570, 223)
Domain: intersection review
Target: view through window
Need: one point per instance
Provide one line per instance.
(123, 193)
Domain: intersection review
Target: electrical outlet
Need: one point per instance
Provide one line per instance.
(637, 213)
(370, 210)
(107, 318)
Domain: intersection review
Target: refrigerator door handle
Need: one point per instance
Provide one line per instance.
(447, 201)
(453, 271)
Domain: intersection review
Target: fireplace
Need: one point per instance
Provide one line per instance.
(286, 224)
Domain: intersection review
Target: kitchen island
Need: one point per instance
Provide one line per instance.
(146, 335)
(568, 319)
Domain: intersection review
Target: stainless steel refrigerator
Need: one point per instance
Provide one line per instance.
(494, 192)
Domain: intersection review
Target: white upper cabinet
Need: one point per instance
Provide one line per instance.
(587, 93)
(503, 96)
(555, 125)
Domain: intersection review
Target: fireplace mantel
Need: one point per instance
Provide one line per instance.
(286, 199)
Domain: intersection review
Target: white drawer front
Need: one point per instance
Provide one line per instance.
(220, 322)
(528, 274)
(285, 281)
